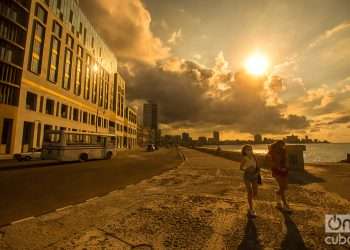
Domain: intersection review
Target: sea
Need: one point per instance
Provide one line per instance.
(315, 153)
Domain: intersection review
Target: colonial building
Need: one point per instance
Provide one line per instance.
(130, 138)
(56, 72)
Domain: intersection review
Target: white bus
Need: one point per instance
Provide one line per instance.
(77, 146)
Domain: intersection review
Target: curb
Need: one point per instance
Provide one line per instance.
(36, 164)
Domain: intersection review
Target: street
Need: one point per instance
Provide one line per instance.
(35, 191)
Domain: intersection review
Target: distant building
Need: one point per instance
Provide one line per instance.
(186, 139)
(139, 135)
(258, 139)
(202, 140)
(292, 139)
(216, 137)
(130, 128)
(150, 115)
(150, 123)
(212, 141)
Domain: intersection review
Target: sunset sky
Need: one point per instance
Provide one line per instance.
(190, 56)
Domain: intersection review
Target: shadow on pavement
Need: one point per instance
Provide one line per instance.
(250, 240)
(293, 239)
(303, 178)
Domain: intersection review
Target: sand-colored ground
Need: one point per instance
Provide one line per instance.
(199, 205)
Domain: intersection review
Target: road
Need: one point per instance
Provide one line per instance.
(35, 191)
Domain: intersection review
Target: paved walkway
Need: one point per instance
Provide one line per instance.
(199, 205)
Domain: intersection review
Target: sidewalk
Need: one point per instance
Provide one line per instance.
(199, 205)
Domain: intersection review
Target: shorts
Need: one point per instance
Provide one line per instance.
(250, 176)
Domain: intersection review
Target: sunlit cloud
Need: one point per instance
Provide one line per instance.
(175, 37)
(329, 33)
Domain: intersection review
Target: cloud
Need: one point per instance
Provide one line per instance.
(175, 37)
(125, 26)
(192, 95)
(197, 57)
(325, 100)
(340, 120)
(164, 24)
(329, 33)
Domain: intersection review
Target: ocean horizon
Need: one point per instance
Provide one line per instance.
(315, 152)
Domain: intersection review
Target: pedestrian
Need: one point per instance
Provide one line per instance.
(251, 175)
(277, 156)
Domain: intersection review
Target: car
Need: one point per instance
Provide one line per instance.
(151, 148)
(27, 156)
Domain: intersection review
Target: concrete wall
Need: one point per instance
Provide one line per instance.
(295, 159)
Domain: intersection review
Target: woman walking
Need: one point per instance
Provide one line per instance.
(277, 154)
(250, 176)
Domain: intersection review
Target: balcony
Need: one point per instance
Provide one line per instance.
(10, 74)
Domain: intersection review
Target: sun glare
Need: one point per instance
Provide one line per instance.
(257, 64)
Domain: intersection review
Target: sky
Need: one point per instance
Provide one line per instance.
(188, 56)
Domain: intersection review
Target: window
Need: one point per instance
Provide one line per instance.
(54, 52)
(50, 106)
(31, 101)
(69, 42)
(68, 55)
(41, 104)
(37, 46)
(54, 59)
(93, 121)
(58, 4)
(87, 78)
(64, 111)
(57, 109)
(78, 75)
(71, 17)
(38, 37)
(75, 114)
(7, 133)
(101, 89)
(41, 13)
(57, 29)
(94, 86)
(85, 117)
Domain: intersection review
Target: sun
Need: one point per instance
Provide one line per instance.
(257, 64)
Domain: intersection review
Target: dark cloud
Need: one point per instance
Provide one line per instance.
(125, 25)
(190, 94)
(340, 120)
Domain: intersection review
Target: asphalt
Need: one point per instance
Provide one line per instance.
(34, 191)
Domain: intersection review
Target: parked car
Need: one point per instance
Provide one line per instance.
(34, 153)
(151, 147)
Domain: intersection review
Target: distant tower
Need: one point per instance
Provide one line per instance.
(216, 136)
(150, 121)
(258, 139)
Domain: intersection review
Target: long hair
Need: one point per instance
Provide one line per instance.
(278, 152)
(244, 148)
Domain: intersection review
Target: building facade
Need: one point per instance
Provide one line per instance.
(130, 137)
(56, 72)
(216, 137)
(150, 124)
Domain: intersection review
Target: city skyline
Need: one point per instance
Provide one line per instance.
(193, 65)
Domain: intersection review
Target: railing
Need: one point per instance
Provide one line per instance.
(10, 73)
(9, 94)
